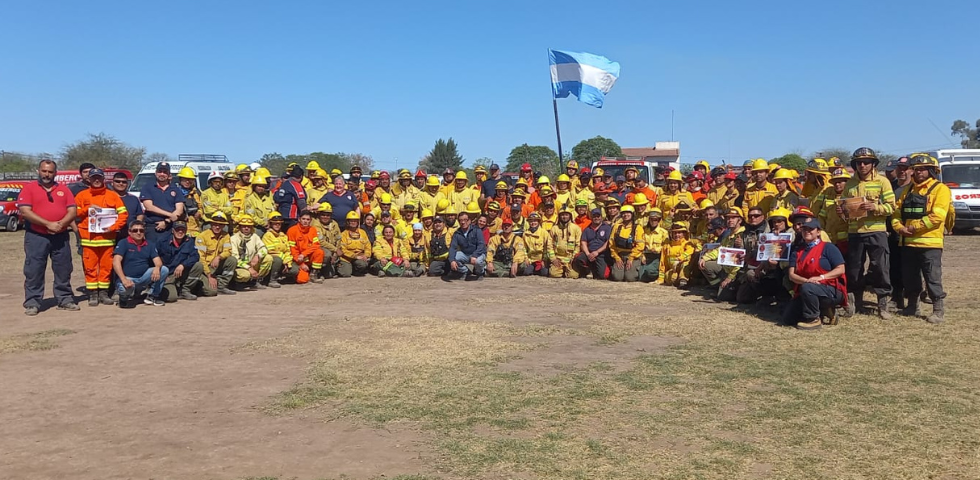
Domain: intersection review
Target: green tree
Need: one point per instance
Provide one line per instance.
(791, 160)
(366, 162)
(275, 162)
(542, 159)
(157, 157)
(842, 153)
(443, 155)
(11, 162)
(588, 151)
(103, 151)
(969, 137)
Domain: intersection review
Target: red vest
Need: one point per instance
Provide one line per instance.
(808, 266)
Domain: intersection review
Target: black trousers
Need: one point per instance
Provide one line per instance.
(873, 246)
(597, 267)
(37, 249)
(812, 297)
(922, 263)
(895, 275)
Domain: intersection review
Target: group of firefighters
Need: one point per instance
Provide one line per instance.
(251, 230)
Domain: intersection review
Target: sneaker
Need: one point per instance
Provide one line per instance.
(31, 311)
(381, 274)
(226, 291)
(260, 286)
(69, 305)
(275, 284)
(810, 326)
(187, 296)
(151, 300)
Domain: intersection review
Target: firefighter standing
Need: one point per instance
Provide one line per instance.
(920, 219)
(97, 238)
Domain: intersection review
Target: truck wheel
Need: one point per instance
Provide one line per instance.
(13, 224)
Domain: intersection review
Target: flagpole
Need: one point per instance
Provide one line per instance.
(561, 159)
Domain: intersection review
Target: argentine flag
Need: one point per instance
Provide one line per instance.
(589, 77)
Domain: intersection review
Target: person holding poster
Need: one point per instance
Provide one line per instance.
(101, 213)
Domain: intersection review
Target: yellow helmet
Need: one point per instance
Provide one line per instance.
(817, 165)
(318, 173)
(263, 171)
(426, 213)
(501, 186)
(640, 199)
(219, 217)
(521, 181)
(480, 169)
(760, 164)
(461, 175)
(705, 203)
(675, 175)
(312, 165)
(231, 175)
(246, 220)
(186, 172)
(336, 172)
(784, 174)
(773, 167)
(385, 198)
(655, 212)
(735, 212)
(564, 178)
(841, 175)
(679, 226)
(325, 207)
(432, 181)
(472, 208)
(275, 217)
(404, 175)
(598, 172)
(259, 180)
(572, 164)
(545, 191)
(783, 213)
(703, 163)
(495, 206)
(242, 168)
(542, 179)
(450, 210)
(353, 215)
(442, 205)
(627, 208)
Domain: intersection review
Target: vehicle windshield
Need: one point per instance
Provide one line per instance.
(9, 195)
(962, 176)
(617, 170)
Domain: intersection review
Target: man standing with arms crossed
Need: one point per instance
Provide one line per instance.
(49, 208)
(163, 202)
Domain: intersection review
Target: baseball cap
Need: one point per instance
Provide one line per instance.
(163, 167)
(96, 172)
(812, 223)
(179, 225)
(507, 221)
(716, 223)
(439, 219)
(596, 211)
(494, 166)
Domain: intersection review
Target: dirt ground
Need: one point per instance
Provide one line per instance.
(178, 392)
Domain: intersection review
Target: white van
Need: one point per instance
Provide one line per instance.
(203, 165)
(960, 171)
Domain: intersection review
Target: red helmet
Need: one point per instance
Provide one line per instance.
(384, 174)
(526, 168)
(695, 176)
(370, 185)
(420, 173)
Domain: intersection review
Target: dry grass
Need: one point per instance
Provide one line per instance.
(32, 342)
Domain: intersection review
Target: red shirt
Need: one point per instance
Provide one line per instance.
(51, 206)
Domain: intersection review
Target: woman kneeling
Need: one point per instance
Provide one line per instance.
(817, 270)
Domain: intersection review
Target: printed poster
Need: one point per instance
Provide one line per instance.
(774, 246)
(731, 257)
(100, 220)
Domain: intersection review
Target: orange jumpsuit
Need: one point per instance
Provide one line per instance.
(305, 241)
(97, 247)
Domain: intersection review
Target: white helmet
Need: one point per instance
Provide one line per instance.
(214, 175)
(255, 166)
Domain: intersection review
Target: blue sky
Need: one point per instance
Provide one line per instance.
(744, 79)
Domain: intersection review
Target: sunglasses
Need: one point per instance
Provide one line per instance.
(864, 162)
(120, 181)
(137, 230)
(755, 215)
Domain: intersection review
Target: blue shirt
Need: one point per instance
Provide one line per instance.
(136, 258)
(173, 255)
(595, 238)
(469, 241)
(342, 204)
(165, 199)
(829, 260)
(133, 207)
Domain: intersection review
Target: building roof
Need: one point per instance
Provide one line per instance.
(651, 152)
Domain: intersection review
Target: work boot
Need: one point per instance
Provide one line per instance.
(913, 309)
(883, 312)
(93, 298)
(315, 278)
(274, 284)
(187, 295)
(226, 291)
(937, 312)
(828, 315)
(851, 304)
(105, 298)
